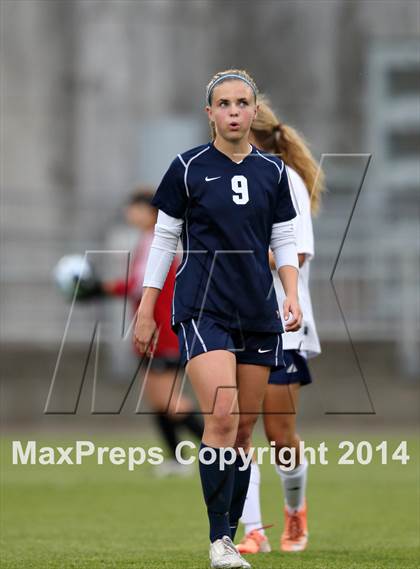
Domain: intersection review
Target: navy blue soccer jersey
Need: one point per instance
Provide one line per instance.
(228, 209)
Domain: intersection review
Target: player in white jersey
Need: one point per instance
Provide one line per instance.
(281, 399)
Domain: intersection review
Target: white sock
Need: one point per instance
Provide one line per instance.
(294, 485)
(251, 515)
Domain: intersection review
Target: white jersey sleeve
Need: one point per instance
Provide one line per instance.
(162, 252)
(303, 221)
(306, 339)
(283, 244)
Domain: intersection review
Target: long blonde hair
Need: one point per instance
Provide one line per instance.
(281, 139)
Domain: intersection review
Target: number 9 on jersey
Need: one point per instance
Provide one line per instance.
(240, 189)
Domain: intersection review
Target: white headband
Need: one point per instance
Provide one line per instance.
(229, 76)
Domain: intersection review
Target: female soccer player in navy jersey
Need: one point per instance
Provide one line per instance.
(230, 203)
(281, 399)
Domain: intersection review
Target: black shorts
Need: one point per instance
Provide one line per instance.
(296, 370)
(257, 348)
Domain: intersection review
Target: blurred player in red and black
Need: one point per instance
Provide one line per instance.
(162, 389)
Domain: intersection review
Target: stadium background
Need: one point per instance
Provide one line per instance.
(97, 96)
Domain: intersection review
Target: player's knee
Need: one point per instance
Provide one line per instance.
(222, 424)
(282, 436)
(243, 437)
(243, 440)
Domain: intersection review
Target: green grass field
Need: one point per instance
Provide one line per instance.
(90, 516)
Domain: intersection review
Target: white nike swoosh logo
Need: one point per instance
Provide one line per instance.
(211, 179)
(260, 351)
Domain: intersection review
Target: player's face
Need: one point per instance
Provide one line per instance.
(232, 110)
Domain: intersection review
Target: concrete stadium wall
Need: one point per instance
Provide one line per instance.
(79, 77)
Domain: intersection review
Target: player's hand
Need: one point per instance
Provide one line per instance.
(145, 334)
(292, 314)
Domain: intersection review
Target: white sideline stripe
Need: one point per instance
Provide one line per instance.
(272, 161)
(277, 350)
(188, 165)
(182, 267)
(198, 335)
(173, 304)
(182, 160)
(186, 343)
(292, 192)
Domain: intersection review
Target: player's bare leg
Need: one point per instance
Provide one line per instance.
(213, 378)
(279, 414)
(280, 407)
(162, 392)
(252, 384)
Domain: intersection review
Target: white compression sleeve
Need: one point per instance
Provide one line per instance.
(163, 250)
(283, 244)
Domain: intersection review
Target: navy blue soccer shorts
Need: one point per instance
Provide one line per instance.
(206, 335)
(296, 370)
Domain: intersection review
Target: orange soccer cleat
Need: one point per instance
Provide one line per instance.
(295, 534)
(254, 542)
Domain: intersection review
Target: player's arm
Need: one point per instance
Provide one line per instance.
(289, 279)
(145, 330)
(283, 246)
(161, 255)
(301, 260)
(171, 200)
(283, 243)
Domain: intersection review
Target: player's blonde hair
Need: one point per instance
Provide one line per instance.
(278, 138)
(230, 75)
